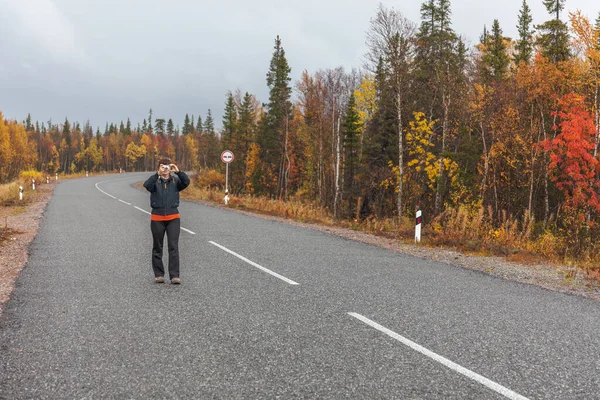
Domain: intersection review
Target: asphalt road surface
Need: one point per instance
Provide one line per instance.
(271, 310)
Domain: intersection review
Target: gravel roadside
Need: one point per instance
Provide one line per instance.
(23, 222)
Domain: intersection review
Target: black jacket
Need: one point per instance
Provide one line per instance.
(164, 195)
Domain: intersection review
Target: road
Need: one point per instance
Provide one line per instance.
(271, 310)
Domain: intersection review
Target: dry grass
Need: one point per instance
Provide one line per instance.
(9, 193)
(292, 209)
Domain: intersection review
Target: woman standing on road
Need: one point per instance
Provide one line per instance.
(164, 187)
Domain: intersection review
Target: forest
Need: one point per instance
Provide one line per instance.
(498, 141)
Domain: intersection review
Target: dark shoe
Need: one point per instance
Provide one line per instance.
(159, 279)
(175, 281)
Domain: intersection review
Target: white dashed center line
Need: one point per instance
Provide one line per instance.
(268, 271)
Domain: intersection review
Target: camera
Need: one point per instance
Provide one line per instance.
(165, 167)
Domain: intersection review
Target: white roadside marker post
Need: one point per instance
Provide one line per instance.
(21, 193)
(86, 174)
(418, 227)
(33, 184)
(226, 198)
(57, 176)
(47, 179)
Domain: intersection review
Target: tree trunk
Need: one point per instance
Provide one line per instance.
(486, 163)
(287, 156)
(321, 169)
(438, 196)
(533, 160)
(545, 166)
(337, 172)
(400, 148)
(597, 116)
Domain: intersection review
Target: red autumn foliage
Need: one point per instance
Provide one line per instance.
(573, 167)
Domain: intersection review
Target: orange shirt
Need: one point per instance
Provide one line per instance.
(157, 217)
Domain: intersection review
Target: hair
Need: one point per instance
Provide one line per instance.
(164, 161)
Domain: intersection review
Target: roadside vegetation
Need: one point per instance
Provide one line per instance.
(472, 230)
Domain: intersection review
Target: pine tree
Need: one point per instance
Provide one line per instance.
(212, 142)
(229, 123)
(495, 57)
(170, 128)
(199, 126)
(28, 125)
(273, 136)
(186, 125)
(160, 126)
(209, 125)
(484, 36)
(598, 30)
(128, 127)
(554, 38)
(150, 121)
(66, 133)
(122, 127)
(144, 126)
(351, 149)
(524, 47)
(439, 79)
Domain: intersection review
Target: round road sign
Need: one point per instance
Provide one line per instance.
(227, 156)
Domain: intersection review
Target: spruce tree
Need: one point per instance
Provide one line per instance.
(199, 126)
(186, 125)
(554, 38)
(150, 121)
(170, 128)
(229, 123)
(122, 127)
(351, 148)
(128, 127)
(66, 133)
(495, 57)
(272, 138)
(524, 47)
(212, 142)
(598, 31)
(209, 125)
(160, 126)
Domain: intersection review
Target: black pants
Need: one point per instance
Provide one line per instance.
(158, 229)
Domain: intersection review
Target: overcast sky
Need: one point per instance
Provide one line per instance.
(107, 60)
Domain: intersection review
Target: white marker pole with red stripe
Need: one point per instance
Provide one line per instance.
(418, 227)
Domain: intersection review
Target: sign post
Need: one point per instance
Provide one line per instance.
(21, 193)
(227, 157)
(33, 184)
